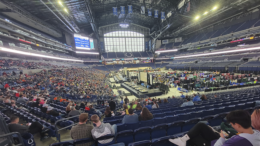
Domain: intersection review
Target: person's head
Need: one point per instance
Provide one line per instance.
(14, 119)
(91, 106)
(125, 106)
(165, 100)
(138, 106)
(188, 99)
(83, 117)
(95, 119)
(240, 120)
(131, 111)
(146, 114)
(107, 110)
(204, 97)
(255, 118)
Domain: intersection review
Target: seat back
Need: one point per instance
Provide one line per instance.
(163, 141)
(143, 133)
(175, 127)
(141, 143)
(126, 137)
(159, 130)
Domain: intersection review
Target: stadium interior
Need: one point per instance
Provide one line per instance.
(129, 72)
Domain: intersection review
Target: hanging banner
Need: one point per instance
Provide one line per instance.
(149, 12)
(142, 10)
(156, 15)
(163, 15)
(130, 9)
(122, 9)
(115, 11)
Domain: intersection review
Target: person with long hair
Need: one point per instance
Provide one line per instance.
(155, 105)
(165, 101)
(203, 97)
(125, 112)
(138, 107)
(109, 113)
(145, 115)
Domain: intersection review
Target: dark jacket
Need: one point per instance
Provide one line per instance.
(112, 105)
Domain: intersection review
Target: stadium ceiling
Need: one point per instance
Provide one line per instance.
(88, 15)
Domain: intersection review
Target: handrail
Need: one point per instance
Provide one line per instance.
(19, 137)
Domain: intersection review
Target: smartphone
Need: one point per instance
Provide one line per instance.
(225, 134)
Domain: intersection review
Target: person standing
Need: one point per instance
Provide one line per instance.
(126, 100)
(112, 105)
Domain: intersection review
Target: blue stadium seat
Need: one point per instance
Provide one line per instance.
(216, 121)
(189, 124)
(143, 133)
(170, 119)
(183, 116)
(175, 127)
(162, 141)
(105, 137)
(195, 114)
(84, 141)
(146, 123)
(160, 120)
(126, 136)
(141, 143)
(159, 131)
(64, 143)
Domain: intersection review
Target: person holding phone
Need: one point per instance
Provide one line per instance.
(32, 128)
(203, 135)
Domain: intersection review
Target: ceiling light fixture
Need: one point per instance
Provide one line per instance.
(205, 13)
(36, 55)
(65, 10)
(60, 3)
(216, 53)
(214, 8)
(165, 51)
(95, 53)
(197, 17)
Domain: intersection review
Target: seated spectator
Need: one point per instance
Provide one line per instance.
(7, 101)
(187, 103)
(102, 129)
(138, 107)
(82, 130)
(125, 112)
(21, 100)
(159, 100)
(52, 112)
(73, 112)
(130, 118)
(32, 128)
(13, 105)
(155, 105)
(68, 108)
(109, 113)
(165, 101)
(44, 108)
(203, 97)
(86, 107)
(145, 115)
(82, 105)
(182, 96)
(149, 107)
(201, 134)
(196, 98)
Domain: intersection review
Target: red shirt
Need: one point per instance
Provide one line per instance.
(16, 94)
(6, 86)
(87, 108)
